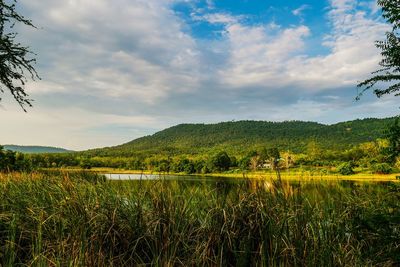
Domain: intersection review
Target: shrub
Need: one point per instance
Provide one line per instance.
(382, 168)
(345, 168)
(221, 162)
(85, 164)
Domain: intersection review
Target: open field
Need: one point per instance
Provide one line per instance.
(80, 219)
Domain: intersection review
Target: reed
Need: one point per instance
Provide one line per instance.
(79, 219)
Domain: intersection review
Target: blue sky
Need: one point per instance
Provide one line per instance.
(116, 70)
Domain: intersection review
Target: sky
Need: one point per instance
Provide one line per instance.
(113, 71)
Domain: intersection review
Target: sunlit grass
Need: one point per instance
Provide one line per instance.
(72, 219)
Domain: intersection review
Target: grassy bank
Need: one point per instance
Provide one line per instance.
(79, 219)
(293, 174)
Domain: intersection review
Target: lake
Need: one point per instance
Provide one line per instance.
(213, 181)
(210, 182)
(145, 177)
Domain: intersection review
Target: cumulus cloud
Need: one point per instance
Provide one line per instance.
(117, 48)
(353, 53)
(116, 70)
(279, 59)
(141, 49)
(259, 58)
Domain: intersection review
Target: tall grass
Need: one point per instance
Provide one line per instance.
(79, 219)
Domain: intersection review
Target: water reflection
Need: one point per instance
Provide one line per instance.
(222, 185)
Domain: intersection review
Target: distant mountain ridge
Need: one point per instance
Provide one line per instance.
(35, 149)
(242, 136)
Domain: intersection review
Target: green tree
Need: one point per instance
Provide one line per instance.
(346, 168)
(7, 160)
(386, 79)
(274, 155)
(244, 163)
(393, 136)
(221, 161)
(382, 168)
(12, 161)
(313, 151)
(85, 163)
(15, 59)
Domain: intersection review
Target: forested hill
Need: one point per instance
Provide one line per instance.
(242, 136)
(35, 149)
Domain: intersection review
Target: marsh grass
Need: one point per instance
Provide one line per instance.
(80, 219)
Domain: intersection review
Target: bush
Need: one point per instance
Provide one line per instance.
(12, 161)
(220, 162)
(345, 168)
(382, 168)
(85, 164)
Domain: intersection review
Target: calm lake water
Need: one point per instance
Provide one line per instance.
(117, 176)
(223, 186)
(149, 177)
(197, 180)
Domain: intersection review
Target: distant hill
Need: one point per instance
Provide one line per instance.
(243, 136)
(36, 149)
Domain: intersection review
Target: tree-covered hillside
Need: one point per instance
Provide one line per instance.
(243, 136)
(35, 149)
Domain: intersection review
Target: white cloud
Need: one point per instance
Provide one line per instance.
(353, 53)
(272, 61)
(134, 65)
(210, 4)
(222, 18)
(258, 57)
(119, 48)
(299, 11)
(146, 54)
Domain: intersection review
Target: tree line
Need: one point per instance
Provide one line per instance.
(381, 155)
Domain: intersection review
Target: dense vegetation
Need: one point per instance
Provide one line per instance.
(78, 219)
(243, 136)
(370, 145)
(12, 161)
(386, 80)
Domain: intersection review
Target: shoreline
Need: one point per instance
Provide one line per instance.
(258, 175)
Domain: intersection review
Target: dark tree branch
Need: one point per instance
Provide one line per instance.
(15, 59)
(389, 76)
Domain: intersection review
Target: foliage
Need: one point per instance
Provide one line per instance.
(15, 59)
(346, 168)
(242, 137)
(244, 163)
(327, 153)
(85, 164)
(393, 136)
(313, 150)
(12, 161)
(274, 156)
(72, 219)
(389, 75)
(220, 162)
(382, 168)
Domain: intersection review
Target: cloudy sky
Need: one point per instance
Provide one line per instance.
(116, 70)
